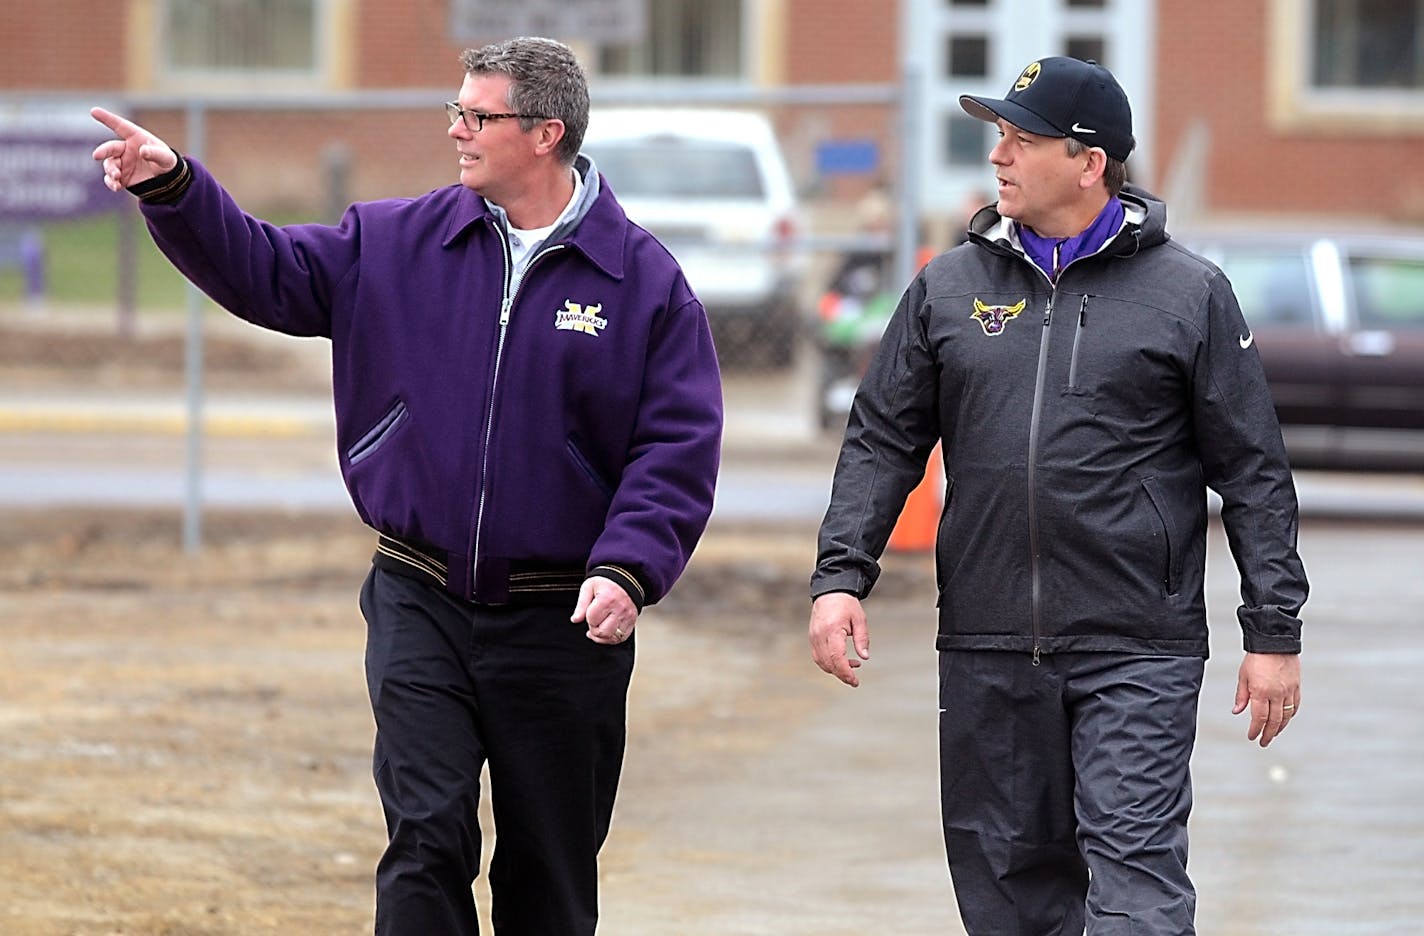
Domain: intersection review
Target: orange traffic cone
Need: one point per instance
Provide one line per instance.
(918, 525)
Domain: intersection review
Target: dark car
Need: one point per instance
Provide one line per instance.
(1338, 320)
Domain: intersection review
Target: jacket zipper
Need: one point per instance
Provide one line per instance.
(1035, 594)
(505, 308)
(1040, 382)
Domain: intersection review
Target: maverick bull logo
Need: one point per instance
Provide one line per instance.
(992, 318)
(1028, 76)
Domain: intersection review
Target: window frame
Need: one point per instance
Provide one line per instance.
(638, 58)
(1296, 103)
(330, 27)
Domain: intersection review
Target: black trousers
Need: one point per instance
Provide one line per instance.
(454, 686)
(1065, 790)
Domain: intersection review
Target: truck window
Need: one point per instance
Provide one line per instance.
(1389, 292)
(1273, 287)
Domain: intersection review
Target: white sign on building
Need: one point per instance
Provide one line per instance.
(588, 20)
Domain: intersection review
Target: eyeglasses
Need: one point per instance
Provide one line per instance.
(475, 121)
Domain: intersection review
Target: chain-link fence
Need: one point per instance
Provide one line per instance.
(776, 227)
(760, 224)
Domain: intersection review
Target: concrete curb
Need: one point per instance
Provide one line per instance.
(224, 419)
(312, 417)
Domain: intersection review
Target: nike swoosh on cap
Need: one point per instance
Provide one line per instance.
(1246, 340)
(1079, 128)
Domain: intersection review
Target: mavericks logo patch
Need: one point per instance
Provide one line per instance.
(575, 317)
(993, 318)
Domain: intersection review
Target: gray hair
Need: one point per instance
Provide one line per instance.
(1114, 173)
(545, 79)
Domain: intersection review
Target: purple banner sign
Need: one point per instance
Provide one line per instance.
(46, 174)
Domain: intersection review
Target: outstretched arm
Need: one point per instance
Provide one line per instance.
(281, 278)
(136, 156)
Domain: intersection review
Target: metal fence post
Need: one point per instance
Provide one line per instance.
(907, 234)
(126, 218)
(193, 368)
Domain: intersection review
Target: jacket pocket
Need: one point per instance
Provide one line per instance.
(1078, 334)
(940, 538)
(1172, 568)
(379, 433)
(587, 468)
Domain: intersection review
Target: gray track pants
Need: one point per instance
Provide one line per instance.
(1065, 790)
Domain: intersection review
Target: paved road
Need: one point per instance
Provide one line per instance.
(269, 451)
(80, 447)
(808, 809)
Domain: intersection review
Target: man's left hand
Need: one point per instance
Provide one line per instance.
(607, 610)
(1270, 684)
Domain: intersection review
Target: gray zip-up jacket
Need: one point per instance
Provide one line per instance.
(1081, 425)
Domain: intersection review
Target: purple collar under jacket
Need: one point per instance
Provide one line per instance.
(1051, 255)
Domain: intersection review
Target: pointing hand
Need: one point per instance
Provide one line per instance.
(136, 156)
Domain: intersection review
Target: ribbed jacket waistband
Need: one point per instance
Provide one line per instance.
(525, 583)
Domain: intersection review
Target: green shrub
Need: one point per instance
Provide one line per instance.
(82, 266)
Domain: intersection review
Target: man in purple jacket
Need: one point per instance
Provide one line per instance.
(529, 414)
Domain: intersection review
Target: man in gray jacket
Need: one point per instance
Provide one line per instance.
(1088, 379)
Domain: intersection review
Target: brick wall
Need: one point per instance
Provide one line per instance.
(841, 40)
(835, 41)
(1212, 66)
(57, 44)
(404, 43)
(276, 162)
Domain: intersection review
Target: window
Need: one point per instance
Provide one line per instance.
(1346, 66)
(967, 57)
(1087, 48)
(701, 38)
(1273, 287)
(1389, 293)
(966, 141)
(1368, 44)
(241, 36)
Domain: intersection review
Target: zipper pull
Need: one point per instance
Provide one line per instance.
(1047, 313)
(504, 310)
(1035, 654)
(1083, 313)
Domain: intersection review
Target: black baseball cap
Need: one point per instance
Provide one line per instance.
(1064, 97)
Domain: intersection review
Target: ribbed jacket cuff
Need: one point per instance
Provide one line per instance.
(167, 188)
(852, 583)
(625, 579)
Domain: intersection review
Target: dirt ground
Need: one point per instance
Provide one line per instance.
(57, 348)
(186, 738)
